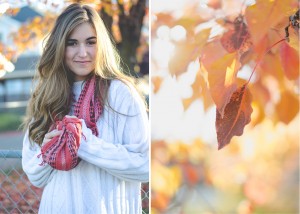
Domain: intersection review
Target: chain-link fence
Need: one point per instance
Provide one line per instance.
(18, 195)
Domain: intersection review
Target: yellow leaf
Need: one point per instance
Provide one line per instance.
(165, 180)
(288, 107)
(186, 52)
(265, 14)
(222, 79)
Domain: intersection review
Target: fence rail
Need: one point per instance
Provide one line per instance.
(10, 154)
(18, 195)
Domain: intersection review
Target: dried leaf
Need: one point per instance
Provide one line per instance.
(236, 116)
(288, 107)
(290, 61)
(222, 79)
(215, 60)
(237, 38)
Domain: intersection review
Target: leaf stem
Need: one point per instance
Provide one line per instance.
(261, 58)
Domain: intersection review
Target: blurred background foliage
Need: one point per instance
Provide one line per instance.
(127, 21)
(191, 76)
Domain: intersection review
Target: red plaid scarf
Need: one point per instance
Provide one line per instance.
(61, 151)
(88, 106)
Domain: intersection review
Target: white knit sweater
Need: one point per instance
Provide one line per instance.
(113, 165)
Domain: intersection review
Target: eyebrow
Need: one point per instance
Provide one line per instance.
(89, 38)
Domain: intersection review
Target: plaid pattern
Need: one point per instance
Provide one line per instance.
(61, 151)
(88, 106)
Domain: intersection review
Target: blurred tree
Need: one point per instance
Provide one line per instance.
(123, 19)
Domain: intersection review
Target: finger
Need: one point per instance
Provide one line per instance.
(45, 141)
(71, 116)
(52, 134)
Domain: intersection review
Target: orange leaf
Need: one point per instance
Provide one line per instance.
(159, 201)
(165, 179)
(265, 14)
(156, 82)
(191, 173)
(222, 79)
(290, 61)
(183, 55)
(211, 52)
(200, 91)
(187, 52)
(237, 38)
(215, 4)
(288, 107)
(236, 116)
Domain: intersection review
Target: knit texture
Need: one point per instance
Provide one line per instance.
(107, 179)
(61, 151)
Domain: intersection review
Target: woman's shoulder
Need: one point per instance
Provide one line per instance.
(120, 87)
(121, 91)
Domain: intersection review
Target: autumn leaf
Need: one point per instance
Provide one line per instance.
(165, 179)
(215, 4)
(288, 107)
(258, 114)
(185, 52)
(271, 65)
(159, 201)
(156, 82)
(290, 61)
(191, 172)
(182, 56)
(200, 90)
(265, 14)
(237, 38)
(236, 116)
(222, 79)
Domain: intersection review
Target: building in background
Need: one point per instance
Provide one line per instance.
(16, 80)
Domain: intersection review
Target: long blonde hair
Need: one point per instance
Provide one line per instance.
(51, 98)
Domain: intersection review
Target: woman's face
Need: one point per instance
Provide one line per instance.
(81, 51)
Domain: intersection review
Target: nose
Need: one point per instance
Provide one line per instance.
(82, 51)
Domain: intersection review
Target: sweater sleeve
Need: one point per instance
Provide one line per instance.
(39, 175)
(128, 157)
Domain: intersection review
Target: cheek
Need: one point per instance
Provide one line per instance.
(94, 53)
(68, 57)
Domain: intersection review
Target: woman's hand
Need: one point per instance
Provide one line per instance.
(69, 116)
(51, 135)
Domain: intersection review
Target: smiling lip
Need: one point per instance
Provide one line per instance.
(82, 62)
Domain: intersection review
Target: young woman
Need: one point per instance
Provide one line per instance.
(79, 77)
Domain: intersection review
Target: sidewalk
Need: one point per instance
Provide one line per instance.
(11, 140)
